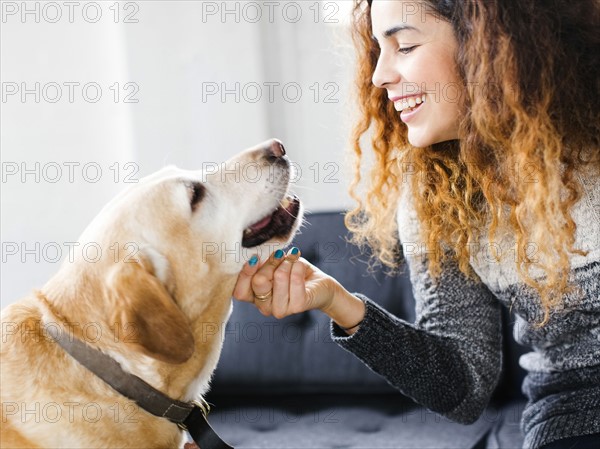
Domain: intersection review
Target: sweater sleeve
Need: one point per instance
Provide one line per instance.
(450, 359)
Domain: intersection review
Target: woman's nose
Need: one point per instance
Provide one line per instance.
(385, 73)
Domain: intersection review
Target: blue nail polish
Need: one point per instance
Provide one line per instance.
(295, 251)
(253, 261)
(278, 254)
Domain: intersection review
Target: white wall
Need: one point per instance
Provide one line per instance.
(170, 56)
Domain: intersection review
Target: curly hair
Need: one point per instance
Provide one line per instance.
(530, 119)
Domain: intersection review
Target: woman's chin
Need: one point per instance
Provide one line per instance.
(420, 139)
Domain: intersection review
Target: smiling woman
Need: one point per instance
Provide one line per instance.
(484, 119)
(501, 155)
(506, 139)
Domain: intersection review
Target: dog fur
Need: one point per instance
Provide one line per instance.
(156, 301)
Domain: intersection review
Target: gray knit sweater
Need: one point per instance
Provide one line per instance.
(449, 359)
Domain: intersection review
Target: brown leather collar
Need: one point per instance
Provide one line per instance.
(189, 416)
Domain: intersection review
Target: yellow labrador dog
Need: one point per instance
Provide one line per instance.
(171, 248)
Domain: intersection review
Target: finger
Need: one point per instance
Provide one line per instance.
(243, 287)
(293, 255)
(281, 284)
(297, 288)
(262, 281)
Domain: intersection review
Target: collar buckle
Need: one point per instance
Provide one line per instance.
(202, 405)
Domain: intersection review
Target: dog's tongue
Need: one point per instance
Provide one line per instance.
(261, 224)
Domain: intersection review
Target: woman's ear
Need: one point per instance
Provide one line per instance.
(144, 311)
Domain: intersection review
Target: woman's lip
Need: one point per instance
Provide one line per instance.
(407, 116)
(395, 99)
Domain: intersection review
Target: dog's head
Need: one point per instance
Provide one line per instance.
(173, 244)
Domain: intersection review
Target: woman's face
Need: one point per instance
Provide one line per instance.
(417, 68)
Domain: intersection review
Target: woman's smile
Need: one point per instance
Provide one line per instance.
(417, 50)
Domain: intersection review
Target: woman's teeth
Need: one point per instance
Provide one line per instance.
(409, 103)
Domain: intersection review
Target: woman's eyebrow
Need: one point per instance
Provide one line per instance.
(396, 29)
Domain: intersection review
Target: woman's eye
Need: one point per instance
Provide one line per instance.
(407, 50)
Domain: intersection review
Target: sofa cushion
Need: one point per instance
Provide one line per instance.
(336, 421)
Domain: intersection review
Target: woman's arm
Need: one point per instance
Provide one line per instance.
(450, 359)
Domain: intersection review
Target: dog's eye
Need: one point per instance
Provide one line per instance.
(197, 191)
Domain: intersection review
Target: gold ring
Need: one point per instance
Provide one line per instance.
(265, 297)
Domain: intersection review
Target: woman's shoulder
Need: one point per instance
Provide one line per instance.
(408, 221)
(586, 212)
(589, 178)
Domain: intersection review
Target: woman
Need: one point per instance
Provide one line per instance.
(485, 122)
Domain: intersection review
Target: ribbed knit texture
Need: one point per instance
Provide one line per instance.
(450, 359)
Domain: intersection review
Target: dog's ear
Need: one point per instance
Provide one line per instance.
(145, 315)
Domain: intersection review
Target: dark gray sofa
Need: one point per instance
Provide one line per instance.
(285, 384)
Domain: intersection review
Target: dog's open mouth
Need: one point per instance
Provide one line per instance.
(277, 224)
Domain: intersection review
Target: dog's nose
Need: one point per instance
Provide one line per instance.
(275, 149)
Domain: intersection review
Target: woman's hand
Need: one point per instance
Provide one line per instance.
(286, 284)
